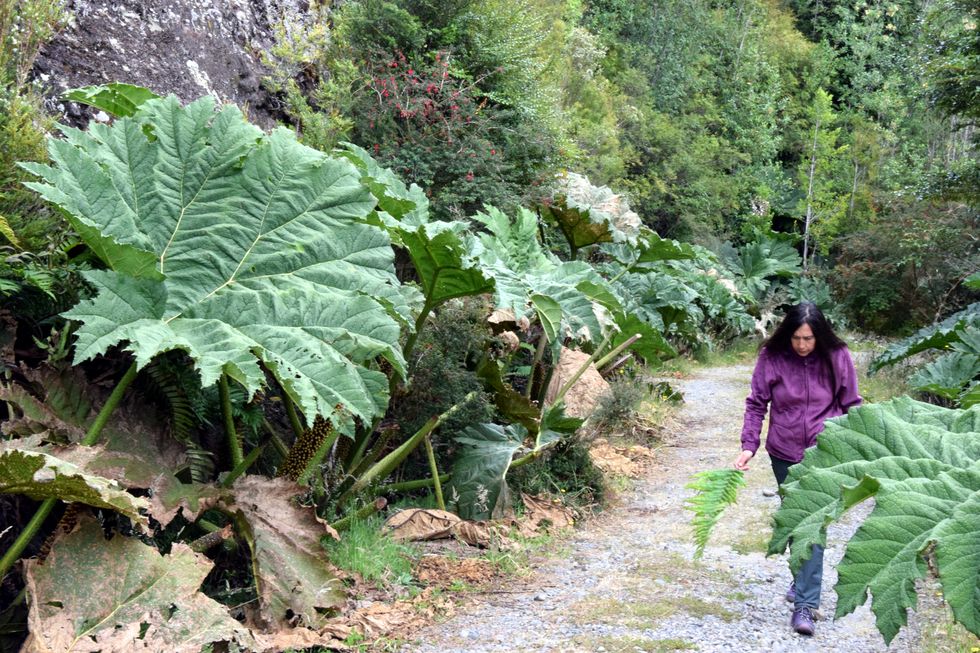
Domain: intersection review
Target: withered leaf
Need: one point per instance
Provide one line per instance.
(43, 471)
(123, 596)
(291, 569)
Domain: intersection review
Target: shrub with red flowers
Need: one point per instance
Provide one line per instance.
(434, 126)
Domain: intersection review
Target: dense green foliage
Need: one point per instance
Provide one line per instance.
(481, 185)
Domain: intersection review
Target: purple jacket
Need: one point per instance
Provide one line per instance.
(799, 390)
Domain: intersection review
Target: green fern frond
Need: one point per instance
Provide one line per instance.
(183, 419)
(715, 489)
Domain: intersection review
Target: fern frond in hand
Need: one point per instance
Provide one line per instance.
(715, 489)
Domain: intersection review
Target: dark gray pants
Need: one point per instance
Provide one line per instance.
(809, 578)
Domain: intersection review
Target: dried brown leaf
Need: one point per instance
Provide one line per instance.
(543, 513)
(293, 576)
(301, 638)
(117, 589)
(169, 496)
(419, 524)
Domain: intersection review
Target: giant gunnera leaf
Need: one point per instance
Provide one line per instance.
(921, 465)
(246, 250)
(122, 595)
(478, 489)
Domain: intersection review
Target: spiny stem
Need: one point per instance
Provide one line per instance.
(241, 468)
(535, 363)
(581, 370)
(418, 484)
(294, 420)
(602, 362)
(366, 511)
(435, 473)
(234, 446)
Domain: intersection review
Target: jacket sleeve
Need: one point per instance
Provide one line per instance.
(847, 388)
(757, 404)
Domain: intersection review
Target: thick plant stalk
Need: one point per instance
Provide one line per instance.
(581, 370)
(418, 484)
(602, 362)
(368, 510)
(91, 437)
(535, 363)
(234, 445)
(294, 420)
(243, 466)
(388, 464)
(414, 336)
(277, 442)
(435, 473)
(375, 452)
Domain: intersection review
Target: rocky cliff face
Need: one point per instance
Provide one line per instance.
(186, 47)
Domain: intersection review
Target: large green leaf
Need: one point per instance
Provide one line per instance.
(259, 251)
(947, 375)
(73, 473)
(921, 464)
(442, 255)
(510, 403)
(405, 204)
(969, 341)
(478, 486)
(292, 573)
(936, 336)
(650, 248)
(121, 100)
(122, 595)
(555, 425)
(515, 242)
(587, 214)
(651, 346)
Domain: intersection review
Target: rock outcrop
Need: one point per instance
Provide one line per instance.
(186, 47)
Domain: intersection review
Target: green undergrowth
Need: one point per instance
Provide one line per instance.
(567, 471)
(364, 549)
(739, 352)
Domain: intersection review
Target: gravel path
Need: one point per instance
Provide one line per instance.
(629, 582)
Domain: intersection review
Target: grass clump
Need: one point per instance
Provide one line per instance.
(366, 550)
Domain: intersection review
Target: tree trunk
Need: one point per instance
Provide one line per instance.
(809, 196)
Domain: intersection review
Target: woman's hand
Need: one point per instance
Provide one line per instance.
(742, 462)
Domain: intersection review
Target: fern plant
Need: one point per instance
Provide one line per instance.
(715, 490)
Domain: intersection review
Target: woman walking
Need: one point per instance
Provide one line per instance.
(804, 375)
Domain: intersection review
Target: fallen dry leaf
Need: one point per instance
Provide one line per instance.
(541, 513)
(302, 638)
(123, 596)
(443, 571)
(622, 461)
(420, 525)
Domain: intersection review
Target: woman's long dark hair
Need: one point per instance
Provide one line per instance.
(825, 340)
